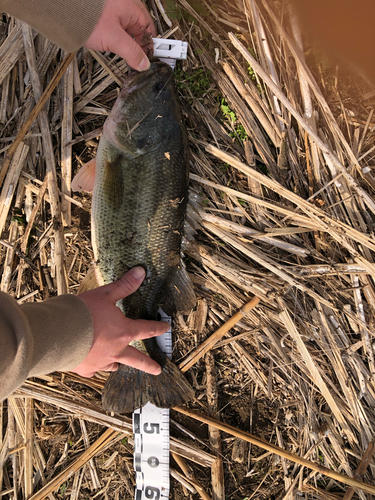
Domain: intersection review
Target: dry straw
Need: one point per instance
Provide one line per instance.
(283, 213)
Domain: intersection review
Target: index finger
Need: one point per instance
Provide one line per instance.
(137, 359)
(139, 329)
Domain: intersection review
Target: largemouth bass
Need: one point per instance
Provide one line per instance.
(138, 211)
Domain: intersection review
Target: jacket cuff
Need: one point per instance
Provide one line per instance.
(62, 331)
(68, 23)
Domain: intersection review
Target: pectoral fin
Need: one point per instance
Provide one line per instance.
(85, 177)
(114, 182)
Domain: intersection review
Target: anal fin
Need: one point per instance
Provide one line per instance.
(90, 281)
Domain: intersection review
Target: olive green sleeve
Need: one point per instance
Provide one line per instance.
(68, 23)
(41, 337)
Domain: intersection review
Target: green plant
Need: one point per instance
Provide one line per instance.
(263, 168)
(198, 81)
(20, 217)
(239, 131)
(227, 112)
(224, 167)
(174, 13)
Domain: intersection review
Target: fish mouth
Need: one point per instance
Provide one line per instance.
(135, 79)
(136, 82)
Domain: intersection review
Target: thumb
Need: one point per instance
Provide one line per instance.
(129, 50)
(127, 284)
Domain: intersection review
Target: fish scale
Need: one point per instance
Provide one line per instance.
(138, 211)
(149, 235)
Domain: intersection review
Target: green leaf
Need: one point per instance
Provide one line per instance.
(171, 9)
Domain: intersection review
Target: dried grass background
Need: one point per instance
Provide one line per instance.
(282, 157)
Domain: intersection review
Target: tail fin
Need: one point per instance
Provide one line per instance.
(128, 389)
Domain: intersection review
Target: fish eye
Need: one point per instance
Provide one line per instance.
(142, 142)
(159, 86)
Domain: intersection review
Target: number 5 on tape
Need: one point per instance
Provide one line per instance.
(151, 452)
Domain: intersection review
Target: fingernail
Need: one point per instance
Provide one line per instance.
(144, 65)
(157, 372)
(138, 272)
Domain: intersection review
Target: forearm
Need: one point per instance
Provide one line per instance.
(69, 23)
(39, 338)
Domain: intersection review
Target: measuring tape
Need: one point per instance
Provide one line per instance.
(151, 424)
(151, 439)
(168, 50)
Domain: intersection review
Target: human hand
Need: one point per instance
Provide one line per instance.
(113, 331)
(124, 27)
